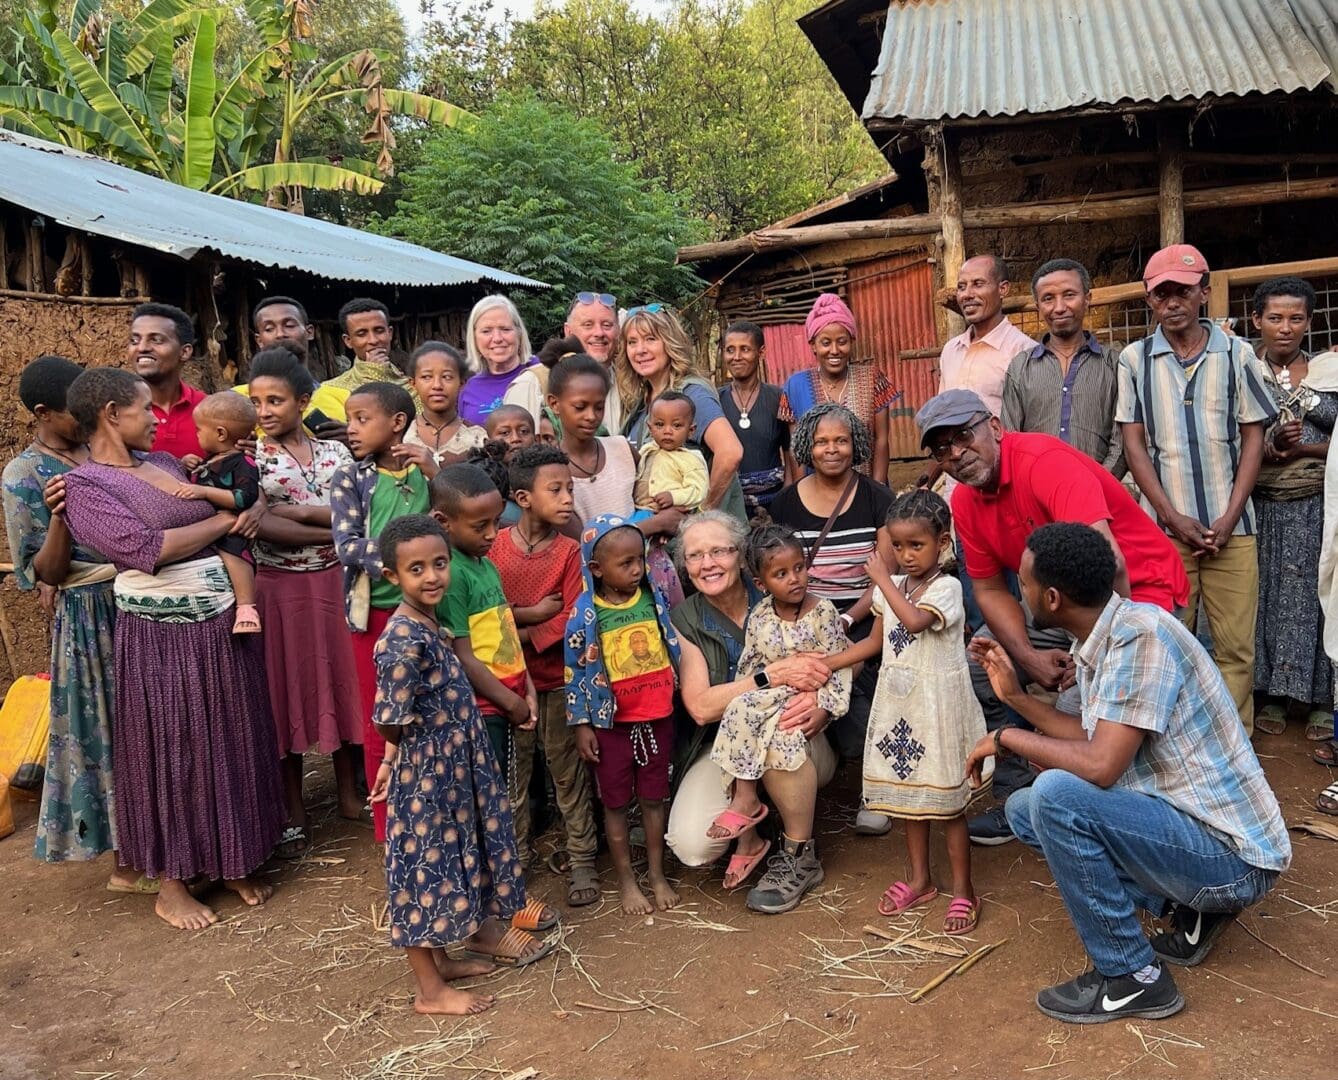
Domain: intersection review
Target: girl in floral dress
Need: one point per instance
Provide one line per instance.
(313, 685)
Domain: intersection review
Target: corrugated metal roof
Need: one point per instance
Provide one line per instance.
(84, 192)
(945, 59)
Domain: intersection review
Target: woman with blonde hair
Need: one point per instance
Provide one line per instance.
(655, 354)
(497, 346)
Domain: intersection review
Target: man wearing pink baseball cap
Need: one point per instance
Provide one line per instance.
(1192, 406)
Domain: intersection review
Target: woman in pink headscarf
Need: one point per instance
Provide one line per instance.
(861, 387)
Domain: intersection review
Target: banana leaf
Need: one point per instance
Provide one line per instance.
(58, 108)
(99, 96)
(434, 110)
(201, 143)
(299, 174)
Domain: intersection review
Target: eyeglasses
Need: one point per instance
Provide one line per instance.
(649, 309)
(960, 439)
(717, 554)
(607, 299)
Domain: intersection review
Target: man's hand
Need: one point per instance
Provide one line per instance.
(1221, 531)
(983, 749)
(1193, 534)
(587, 744)
(54, 495)
(998, 665)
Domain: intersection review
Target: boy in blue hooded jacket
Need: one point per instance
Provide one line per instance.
(621, 659)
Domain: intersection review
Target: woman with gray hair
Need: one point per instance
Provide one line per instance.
(839, 514)
(497, 346)
(710, 625)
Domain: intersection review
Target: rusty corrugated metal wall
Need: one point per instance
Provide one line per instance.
(893, 302)
(787, 351)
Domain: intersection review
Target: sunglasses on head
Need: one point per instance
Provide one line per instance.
(649, 309)
(607, 299)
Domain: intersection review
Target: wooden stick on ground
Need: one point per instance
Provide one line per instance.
(7, 638)
(961, 965)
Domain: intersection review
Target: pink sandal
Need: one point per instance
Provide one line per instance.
(741, 866)
(901, 897)
(735, 823)
(962, 908)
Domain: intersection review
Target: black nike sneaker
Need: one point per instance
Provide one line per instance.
(1094, 998)
(1191, 936)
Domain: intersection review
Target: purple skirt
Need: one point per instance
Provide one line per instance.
(313, 680)
(197, 773)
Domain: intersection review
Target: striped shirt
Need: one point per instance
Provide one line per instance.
(837, 573)
(1140, 666)
(1077, 406)
(1192, 418)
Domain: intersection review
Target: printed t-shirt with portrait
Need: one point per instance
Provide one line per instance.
(399, 492)
(637, 662)
(477, 608)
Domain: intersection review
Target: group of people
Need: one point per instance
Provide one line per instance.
(452, 570)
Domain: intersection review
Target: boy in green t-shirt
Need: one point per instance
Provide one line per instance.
(487, 642)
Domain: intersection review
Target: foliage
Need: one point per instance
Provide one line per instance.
(530, 187)
(144, 89)
(724, 101)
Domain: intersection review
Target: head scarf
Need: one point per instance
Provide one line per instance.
(828, 308)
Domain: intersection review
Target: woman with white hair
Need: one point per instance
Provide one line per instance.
(497, 346)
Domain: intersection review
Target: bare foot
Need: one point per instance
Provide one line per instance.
(634, 901)
(352, 808)
(665, 896)
(448, 1002)
(177, 907)
(449, 968)
(254, 893)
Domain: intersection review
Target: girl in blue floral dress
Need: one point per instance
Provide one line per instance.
(452, 871)
(76, 821)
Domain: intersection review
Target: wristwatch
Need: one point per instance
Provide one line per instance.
(761, 681)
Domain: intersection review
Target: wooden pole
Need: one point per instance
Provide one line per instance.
(1009, 215)
(1219, 296)
(1171, 179)
(953, 229)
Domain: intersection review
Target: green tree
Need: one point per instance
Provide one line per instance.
(529, 187)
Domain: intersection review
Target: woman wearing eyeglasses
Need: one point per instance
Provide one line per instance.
(710, 623)
(655, 354)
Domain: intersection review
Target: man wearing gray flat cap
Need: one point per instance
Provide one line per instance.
(1009, 485)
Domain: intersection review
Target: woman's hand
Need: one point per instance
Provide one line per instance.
(46, 598)
(54, 495)
(803, 671)
(248, 521)
(1286, 437)
(804, 715)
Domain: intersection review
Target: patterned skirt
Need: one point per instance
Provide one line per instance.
(197, 770)
(77, 818)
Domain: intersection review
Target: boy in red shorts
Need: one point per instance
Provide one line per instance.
(621, 656)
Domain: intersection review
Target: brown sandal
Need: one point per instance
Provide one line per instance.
(510, 951)
(536, 916)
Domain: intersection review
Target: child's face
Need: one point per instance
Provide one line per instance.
(422, 570)
(916, 545)
(516, 431)
(437, 380)
(619, 564)
(671, 424)
(546, 434)
(785, 575)
(473, 526)
(551, 500)
(580, 407)
(371, 429)
(215, 436)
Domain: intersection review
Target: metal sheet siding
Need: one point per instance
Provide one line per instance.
(944, 59)
(893, 302)
(787, 351)
(86, 193)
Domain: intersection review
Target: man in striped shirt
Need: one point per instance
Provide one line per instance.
(1153, 799)
(1192, 406)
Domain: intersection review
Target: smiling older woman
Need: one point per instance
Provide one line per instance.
(710, 624)
(497, 346)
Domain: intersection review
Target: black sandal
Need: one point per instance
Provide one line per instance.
(293, 844)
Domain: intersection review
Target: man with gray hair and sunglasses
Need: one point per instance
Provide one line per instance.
(593, 321)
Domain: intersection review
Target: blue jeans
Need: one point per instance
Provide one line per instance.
(1113, 851)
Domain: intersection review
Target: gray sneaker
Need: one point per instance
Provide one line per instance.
(791, 872)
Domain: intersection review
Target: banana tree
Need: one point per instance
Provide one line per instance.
(145, 92)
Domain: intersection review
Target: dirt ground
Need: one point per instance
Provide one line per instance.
(306, 987)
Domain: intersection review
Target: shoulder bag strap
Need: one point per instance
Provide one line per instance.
(831, 518)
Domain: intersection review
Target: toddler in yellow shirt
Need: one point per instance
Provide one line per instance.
(670, 474)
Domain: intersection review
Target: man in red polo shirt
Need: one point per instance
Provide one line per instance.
(1009, 485)
(162, 338)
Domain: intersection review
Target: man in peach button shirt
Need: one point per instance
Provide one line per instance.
(978, 358)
